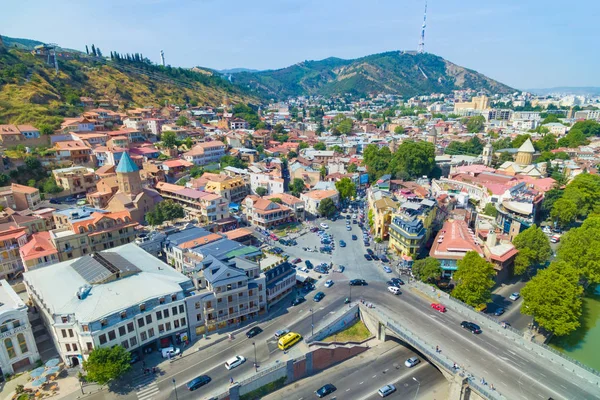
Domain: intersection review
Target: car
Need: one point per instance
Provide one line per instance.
(341, 268)
(411, 362)
(348, 227)
(394, 290)
(253, 332)
(439, 307)
(348, 216)
(358, 282)
(354, 216)
(234, 362)
(296, 261)
(314, 229)
(325, 390)
(303, 269)
(392, 283)
(281, 332)
(354, 237)
(387, 269)
(386, 390)
(371, 252)
(368, 257)
(308, 264)
(384, 259)
(298, 301)
(499, 311)
(328, 283)
(398, 281)
(198, 382)
(324, 225)
(342, 243)
(471, 327)
(54, 201)
(354, 222)
(375, 257)
(319, 296)
(366, 243)
(515, 296)
(170, 352)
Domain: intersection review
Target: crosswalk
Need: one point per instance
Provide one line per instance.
(146, 387)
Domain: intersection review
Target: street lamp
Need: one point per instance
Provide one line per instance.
(255, 363)
(175, 389)
(419, 385)
(312, 323)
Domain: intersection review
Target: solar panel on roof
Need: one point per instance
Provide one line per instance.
(97, 268)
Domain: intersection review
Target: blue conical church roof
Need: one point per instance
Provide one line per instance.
(126, 164)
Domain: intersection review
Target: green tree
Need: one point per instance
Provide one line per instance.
(546, 143)
(588, 127)
(4, 179)
(261, 191)
(476, 124)
(323, 172)
(398, 130)
(519, 140)
(231, 161)
(411, 160)
(490, 210)
(352, 168)
(297, 187)
(188, 142)
(534, 249)
(303, 145)
(292, 154)
(106, 364)
(580, 248)
(276, 200)
(504, 143)
(45, 129)
(564, 211)
(182, 121)
(279, 128)
(337, 149)
(473, 147)
(320, 146)
(169, 139)
(551, 118)
(32, 163)
(164, 211)
(346, 188)
(474, 280)
(326, 207)
(574, 138)
(50, 186)
(553, 298)
(427, 269)
(196, 171)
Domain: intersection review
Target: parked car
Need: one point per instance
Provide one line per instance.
(296, 261)
(354, 222)
(515, 296)
(198, 382)
(394, 290)
(374, 257)
(319, 296)
(354, 237)
(234, 362)
(328, 283)
(308, 264)
(342, 243)
(135, 357)
(499, 311)
(368, 257)
(471, 327)
(387, 269)
(398, 281)
(371, 252)
(392, 283)
(411, 362)
(348, 228)
(341, 268)
(325, 390)
(439, 307)
(253, 332)
(281, 333)
(298, 301)
(358, 282)
(386, 390)
(384, 259)
(324, 225)
(170, 352)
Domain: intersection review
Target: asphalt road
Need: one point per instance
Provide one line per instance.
(360, 377)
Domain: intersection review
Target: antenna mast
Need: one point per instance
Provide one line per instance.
(421, 48)
(162, 58)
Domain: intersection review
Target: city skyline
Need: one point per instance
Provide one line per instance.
(533, 45)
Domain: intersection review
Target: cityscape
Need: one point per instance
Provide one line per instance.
(385, 224)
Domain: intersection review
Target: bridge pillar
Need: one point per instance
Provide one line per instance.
(309, 363)
(234, 392)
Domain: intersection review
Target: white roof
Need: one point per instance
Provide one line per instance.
(527, 147)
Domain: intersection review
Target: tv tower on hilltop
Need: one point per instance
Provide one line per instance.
(421, 48)
(162, 58)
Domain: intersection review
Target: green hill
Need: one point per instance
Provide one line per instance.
(31, 92)
(395, 72)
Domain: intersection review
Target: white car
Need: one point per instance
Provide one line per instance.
(281, 332)
(386, 390)
(515, 296)
(303, 269)
(354, 216)
(411, 362)
(394, 290)
(170, 352)
(324, 225)
(234, 362)
(329, 283)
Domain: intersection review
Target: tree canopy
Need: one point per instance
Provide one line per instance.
(326, 207)
(474, 280)
(182, 121)
(427, 269)
(490, 210)
(534, 249)
(476, 124)
(580, 198)
(473, 147)
(169, 139)
(231, 161)
(346, 188)
(411, 160)
(297, 186)
(580, 248)
(107, 363)
(166, 210)
(320, 146)
(261, 191)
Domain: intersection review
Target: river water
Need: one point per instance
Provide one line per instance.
(584, 344)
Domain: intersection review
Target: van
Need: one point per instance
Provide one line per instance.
(288, 340)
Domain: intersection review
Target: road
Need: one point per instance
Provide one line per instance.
(361, 377)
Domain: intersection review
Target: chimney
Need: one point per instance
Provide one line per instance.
(491, 239)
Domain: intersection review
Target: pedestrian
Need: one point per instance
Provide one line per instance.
(437, 349)
(231, 380)
(492, 386)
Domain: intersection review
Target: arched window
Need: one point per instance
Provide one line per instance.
(90, 227)
(9, 348)
(22, 343)
(81, 229)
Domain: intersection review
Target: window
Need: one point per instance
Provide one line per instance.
(158, 315)
(142, 307)
(125, 344)
(161, 328)
(161, 300)
(122, 331)
(130, 327)
(181, 308)
(176, 324)
(68, 346)
(141, 322)
(75, 347)
(168, 326)
(4, 328)
(143, 336)
(174, 310)
(219, 300)
(64, 319)
(102, 338)
(173, 297)
(9, 348)
(123, 314)
(197, 305)
(85, 328)
(16, 323)
(230, 298)
(166, 313)
(63, 332)
(198, 317)
(104, 322)
(112, 335)
(148, 319)
(229, 286)
(133, 342)
(151, 332)
(70, 332)
(90, 346)
(182, 321)
(22, 343)
(209, 304)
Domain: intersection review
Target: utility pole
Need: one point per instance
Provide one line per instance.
(255, 363)
(175, 389)
(419, 385)
(312, 323)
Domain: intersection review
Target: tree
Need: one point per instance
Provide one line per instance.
(50, 186)
(476, 124)
(490, 210)
(303, 145)
(473, 147)
(398, 130)
(553, 298)
(519, 140)
(196, 171)
(94, 50)
(166, 210)
(323, 172)
(474, 280)
(427, 269)
(292, 154)
(297, 186)
(564, 211)
(580, 248)
(45, 129)
(534, 249)
(4, 179)
(320, 146)
(169, 139)
(32, 163)
(182, 121)
(261, 191)
(337, 149)
(188, 142)
(588, 127)
(276, 200)
(279, 128)
(346, 188)
(352, 168)
(107, 363)
(326, 207)
(546, 143)
(231, 161)
(87, 51)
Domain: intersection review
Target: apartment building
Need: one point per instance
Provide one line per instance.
(271, 183)
(205, 153)
(12, 238)
(123, 296)
(75, 180)
(295, 204)
(19, 350)
(38, 252)
(25, 197)
(74, 151)
(266, 213)
(451, 244)
(313, 198)
(232, 189)
(207, 207)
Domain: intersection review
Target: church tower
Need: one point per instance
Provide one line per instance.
(432, 136)
(525, 153)
(128, 176)
(487, 154)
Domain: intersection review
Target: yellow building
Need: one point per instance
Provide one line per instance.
(233, 189)
(382, 211)
(412, 226)
(477, 103)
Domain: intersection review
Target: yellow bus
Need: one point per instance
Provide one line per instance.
(288, 341)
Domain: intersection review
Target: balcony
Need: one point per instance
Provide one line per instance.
(238, 314)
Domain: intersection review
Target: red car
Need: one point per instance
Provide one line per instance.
(439, 307)
(297, 260)
(274, 237)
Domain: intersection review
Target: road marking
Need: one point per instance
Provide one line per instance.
(347, 390)
(563, 386)
(361, 382)
(487, 373)
(386, 370)
(374, 376)
(148, 391)
(503, 383)
(543, 375)
(331, 312)
(500, 370)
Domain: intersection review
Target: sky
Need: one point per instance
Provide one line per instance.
(524, 44)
